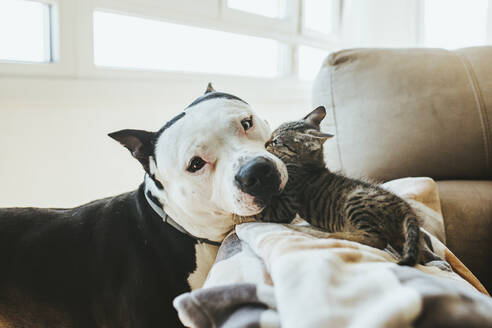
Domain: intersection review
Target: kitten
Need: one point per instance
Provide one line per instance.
(351, 209)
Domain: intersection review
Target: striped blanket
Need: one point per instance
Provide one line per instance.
(273, 275)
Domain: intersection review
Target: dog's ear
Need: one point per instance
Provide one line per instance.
(210, 88)
(140, 144)
(316, 116)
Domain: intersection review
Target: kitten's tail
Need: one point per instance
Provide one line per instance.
(411, 247)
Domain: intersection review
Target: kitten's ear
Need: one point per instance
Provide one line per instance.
(140, 144)
(210, 88)
(319, 135)
(316, 116)
(314, 140)
(311, 143)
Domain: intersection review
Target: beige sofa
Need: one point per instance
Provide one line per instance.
(418, 112)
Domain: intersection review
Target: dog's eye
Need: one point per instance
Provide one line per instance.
(196, 164)
(247, 123)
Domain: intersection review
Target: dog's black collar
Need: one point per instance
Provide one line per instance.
(157, 207)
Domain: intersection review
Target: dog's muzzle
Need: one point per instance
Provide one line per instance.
(259, 178)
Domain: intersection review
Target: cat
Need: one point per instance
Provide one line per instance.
(349, 208)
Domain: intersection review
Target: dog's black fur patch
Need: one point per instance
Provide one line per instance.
(110, 263)
(169, 124)
(158, 184)
(214, 95)
(207, 96)
(154, 199)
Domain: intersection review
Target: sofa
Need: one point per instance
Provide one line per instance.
(418, 112)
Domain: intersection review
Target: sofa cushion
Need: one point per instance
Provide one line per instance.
(408, 112)
(467, 210)
(422, 194)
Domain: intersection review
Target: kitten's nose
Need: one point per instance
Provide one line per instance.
(259, 178)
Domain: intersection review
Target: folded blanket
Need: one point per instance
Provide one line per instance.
(272, 275)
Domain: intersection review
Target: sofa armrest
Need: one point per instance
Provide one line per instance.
(467, 210)
(408, 112)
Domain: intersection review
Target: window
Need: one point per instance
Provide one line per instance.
(318, 16)
(455, 23)
(259, 38)
(138, 43)
(268, 8)
(32, 40)
(310, 60)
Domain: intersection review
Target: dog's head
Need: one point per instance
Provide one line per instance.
(209, 163)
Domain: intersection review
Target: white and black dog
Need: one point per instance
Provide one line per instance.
(120, 261)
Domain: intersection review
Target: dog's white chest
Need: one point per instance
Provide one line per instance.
(205, 257)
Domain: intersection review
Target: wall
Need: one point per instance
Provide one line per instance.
(55, 151)
(381, 23)
(53, 131)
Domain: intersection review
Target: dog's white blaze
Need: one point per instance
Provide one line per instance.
(205, 202)
(205, 257)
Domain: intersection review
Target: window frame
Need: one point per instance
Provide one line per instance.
(61, 45)
(50, 28)
(72, 36)
(334, 35)
(489, 23)
(287, 24)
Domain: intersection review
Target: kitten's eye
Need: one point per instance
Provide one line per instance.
(275, 142)
(247, 123)
(196, 164)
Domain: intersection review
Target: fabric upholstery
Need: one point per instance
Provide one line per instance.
(418, 112)
(408, 112)
(467, 209)
(275, 275)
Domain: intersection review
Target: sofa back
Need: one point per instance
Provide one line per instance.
(408, 112)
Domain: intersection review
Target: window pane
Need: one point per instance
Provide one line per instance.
(269, 8)
(317, 15)
(24, 31)
(455, 23)
(310, 60)
(131, 42)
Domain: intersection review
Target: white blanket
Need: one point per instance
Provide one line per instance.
(270, 275)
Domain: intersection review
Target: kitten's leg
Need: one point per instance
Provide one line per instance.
(411, 246)
(362, 221)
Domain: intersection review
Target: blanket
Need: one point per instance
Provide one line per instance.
(274, 275)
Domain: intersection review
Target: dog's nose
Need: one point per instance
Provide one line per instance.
(259, 178)
(253, 174)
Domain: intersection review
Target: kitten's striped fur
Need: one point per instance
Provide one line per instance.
(350, 208)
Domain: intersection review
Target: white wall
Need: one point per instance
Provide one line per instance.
(55, 151)
(380, 23)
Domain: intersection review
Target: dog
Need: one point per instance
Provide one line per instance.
(120, 261)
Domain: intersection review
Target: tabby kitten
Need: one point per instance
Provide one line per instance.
(351, 209)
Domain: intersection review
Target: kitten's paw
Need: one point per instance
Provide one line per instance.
(408, 261)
